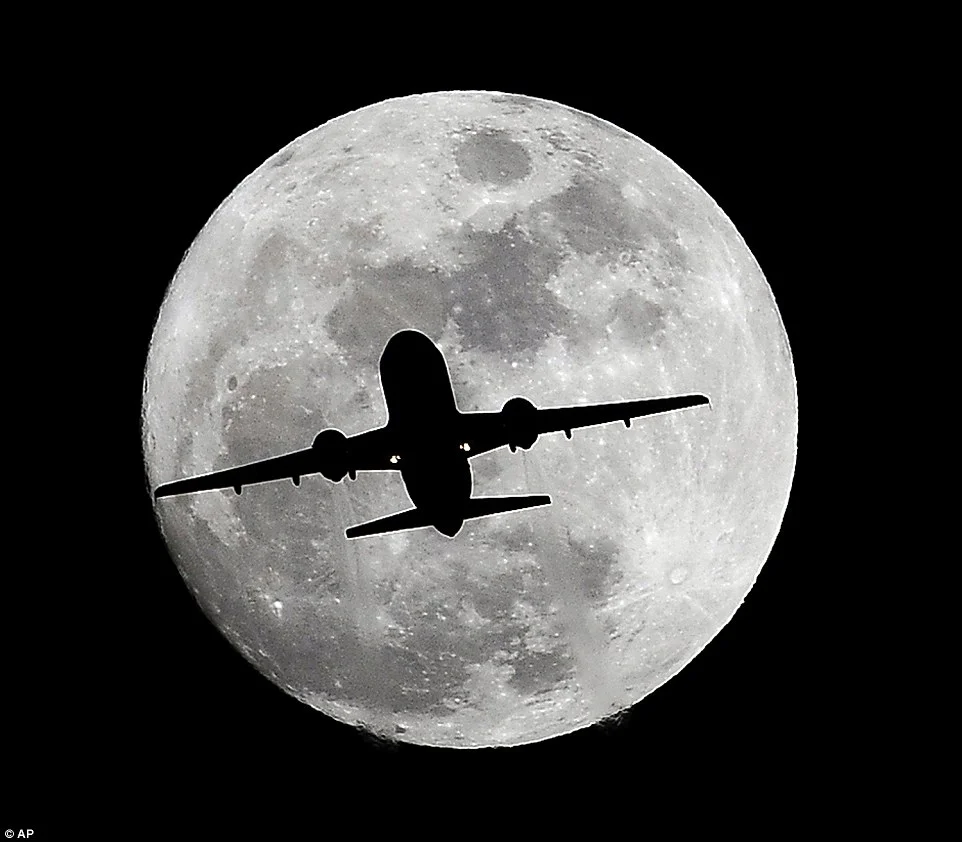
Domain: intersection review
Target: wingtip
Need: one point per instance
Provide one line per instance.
(167, 490)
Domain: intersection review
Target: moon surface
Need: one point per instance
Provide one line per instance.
(549, 254)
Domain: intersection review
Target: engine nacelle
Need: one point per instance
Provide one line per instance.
(520, 419)
(332, 454)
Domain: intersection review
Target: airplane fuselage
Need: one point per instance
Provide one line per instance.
(423, 419)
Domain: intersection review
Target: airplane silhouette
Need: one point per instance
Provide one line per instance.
(430, 442)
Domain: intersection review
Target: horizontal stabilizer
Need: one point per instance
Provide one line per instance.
(483, 506)
(411, 519)
(475, 507)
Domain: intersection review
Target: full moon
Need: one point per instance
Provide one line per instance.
(548, 254)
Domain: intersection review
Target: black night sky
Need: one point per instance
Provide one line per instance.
(136, 697)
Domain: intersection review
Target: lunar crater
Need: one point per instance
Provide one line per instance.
(491, 156)
(638, 318)
(282, 158)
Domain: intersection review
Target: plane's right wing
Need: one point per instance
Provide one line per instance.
(591, 415)
(520, 423)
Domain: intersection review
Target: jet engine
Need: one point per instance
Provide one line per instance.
(332, 454)
(519, 417)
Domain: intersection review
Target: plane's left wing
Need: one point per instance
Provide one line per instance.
(520, 423)
(333, 455)
(290, 466)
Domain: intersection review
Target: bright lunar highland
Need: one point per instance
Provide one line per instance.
(550, 255)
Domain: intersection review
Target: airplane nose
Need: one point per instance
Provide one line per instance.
(406, 338)
(404, 349)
